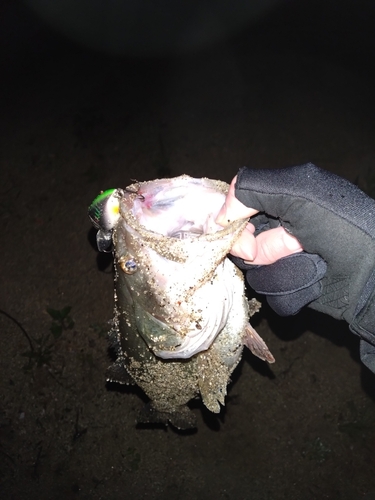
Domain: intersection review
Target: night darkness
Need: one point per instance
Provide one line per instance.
(94, 94)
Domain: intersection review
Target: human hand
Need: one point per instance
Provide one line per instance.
(268, 247)
(332, 220)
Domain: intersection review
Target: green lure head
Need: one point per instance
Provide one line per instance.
(104, 213)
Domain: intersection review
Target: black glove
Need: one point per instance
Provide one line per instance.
(335, 223)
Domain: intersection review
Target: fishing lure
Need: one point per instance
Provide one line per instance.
(104, 213)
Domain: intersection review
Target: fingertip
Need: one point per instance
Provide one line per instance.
(233, 209)
(291, 243)
(221, 218)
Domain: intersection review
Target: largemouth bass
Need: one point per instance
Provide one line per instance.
(181, 317)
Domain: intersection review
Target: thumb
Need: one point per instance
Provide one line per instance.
(274, 244)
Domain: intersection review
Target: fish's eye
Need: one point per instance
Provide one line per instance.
(128, 264)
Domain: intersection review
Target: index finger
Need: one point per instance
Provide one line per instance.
(233, 209)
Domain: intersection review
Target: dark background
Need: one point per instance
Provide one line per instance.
(92, 97)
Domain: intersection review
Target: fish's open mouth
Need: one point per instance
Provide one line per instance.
(181, 208)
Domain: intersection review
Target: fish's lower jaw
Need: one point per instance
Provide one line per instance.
(210, 319)
(196, 341)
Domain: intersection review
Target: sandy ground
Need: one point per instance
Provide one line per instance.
(74, 122)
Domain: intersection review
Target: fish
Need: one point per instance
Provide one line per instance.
(181, 315)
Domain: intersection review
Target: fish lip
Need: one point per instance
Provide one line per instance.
(130, 214)
(202, 331)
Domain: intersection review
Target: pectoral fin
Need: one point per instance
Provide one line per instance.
(257, 345)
